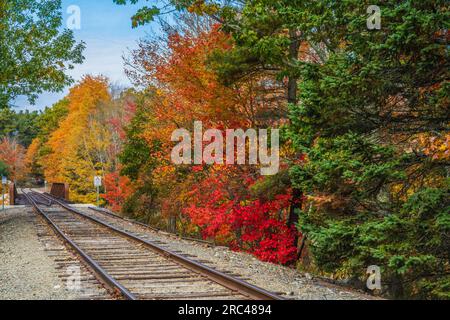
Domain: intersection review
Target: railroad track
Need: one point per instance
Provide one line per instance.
(153, 229)
(136, 268)
(106, 212)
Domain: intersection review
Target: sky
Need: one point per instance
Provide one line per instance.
(106, 29)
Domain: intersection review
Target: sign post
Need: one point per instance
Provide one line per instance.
(4, 181)
(97, 185)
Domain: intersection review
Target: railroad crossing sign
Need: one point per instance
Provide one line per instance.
(97, 181)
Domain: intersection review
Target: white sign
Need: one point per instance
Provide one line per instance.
(4, 180)
(97, 181)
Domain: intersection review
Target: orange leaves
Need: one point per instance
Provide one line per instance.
(32, 152)
(436, 147)
(87, 94)
(87, 140)
(13, 155)
(76, 151)
(186, 89)
(190, 86)
(118, 188)
(66, 142)
(215, 200)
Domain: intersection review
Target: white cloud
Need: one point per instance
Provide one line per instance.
(102, 57)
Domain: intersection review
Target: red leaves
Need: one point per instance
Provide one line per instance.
(264, 234)
(197, 168)
(216, 199)
(118, 189)
(13, 155)
(241, 222)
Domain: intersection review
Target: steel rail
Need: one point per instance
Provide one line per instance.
(108, 280)
(114, 215)
(147, 226)
(223, 279)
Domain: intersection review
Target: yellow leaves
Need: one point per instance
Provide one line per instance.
(163, 174)
(329, 203)
(32, 152)
(80, 143)
(200, 7)
(85, 96)
(436, 147)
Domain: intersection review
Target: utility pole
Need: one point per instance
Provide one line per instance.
(98, 200)
(4, 181)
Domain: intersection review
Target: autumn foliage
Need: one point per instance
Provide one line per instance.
(229, 214)
(13, 155)
(81, 138)
(127, 140)
(212, 201)
(364, 122)
(118, 188)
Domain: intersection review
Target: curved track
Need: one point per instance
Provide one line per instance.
(136, 268)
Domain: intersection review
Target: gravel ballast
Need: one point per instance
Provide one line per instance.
(26, 271)
(285, 281)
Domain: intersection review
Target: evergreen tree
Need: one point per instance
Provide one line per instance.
(373, 122)
(369, 112)
(3, 169)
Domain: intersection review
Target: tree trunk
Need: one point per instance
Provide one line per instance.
(293, 57)
(396, 287)
(296, 205)
(297, 194)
